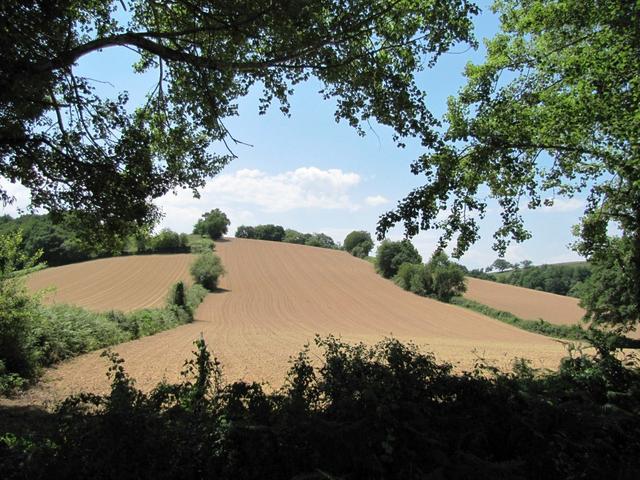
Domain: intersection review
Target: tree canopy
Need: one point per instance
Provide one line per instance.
(107, 159)
(358, 243)
(213, 224)
(552, 112)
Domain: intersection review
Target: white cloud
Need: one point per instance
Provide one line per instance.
(21, 195)
(249, 191)
(305, 187)
(562, 205)
(376, 200)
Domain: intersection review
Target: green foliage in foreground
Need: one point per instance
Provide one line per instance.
(382, 412)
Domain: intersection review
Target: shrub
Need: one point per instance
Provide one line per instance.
(168, 241)
(274, 233)
(447, 277)
(177, 295)
(293, 236)
(384, 411)
(213, 224)
(320, 240)
(206, 269)
(391, 255)
(245, 231)
(195, 296)
(358, 243)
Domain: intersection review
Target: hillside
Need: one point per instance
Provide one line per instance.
(119, 283)
(525, 302)
(274, 299)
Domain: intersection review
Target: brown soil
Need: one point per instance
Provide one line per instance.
(525, 302)
(274, 299)
(121, 283)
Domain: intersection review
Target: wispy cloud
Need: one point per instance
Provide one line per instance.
(376, 200)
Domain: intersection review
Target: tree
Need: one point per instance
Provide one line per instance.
(107, 159)
(526, 263)
(391, 255)
(168, 241)
(274, 233)
(320, 240)
(358, 243)
(293, 236)
(447, 278)
(500, 264)
(553, 111)
(213, 224)
(244, 231)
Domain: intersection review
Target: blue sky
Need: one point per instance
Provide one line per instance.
(312, 174)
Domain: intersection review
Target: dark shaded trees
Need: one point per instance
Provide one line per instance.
(553, 111)
(107, 160)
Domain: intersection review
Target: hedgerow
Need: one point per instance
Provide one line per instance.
(387, 411)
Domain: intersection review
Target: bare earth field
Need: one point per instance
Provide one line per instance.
(525, 302)
(121, 283)
(274, 299)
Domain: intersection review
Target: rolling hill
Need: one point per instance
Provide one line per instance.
(274, 299)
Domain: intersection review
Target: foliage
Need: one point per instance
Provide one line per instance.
(358, 243)
(206, 269)
(382, 411)
(439, 278)
(609, 295)
(168, 241)
(108, 159)
(198, 244)
(18, 313)
(57, 241)
(293, 236)
(447, 278)
(552, 112)
(274, 233)
(559, 279)
(177, 295)
(320, 240)
(244, 231)
(33, 336)
(195, 295)
(213, 224)
(390, 255)
(499, 264)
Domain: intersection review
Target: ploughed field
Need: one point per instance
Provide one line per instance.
(525, 302)
(121, 283)
(274, 298)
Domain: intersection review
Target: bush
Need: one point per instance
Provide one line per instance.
(168, 241)
(293, 236)
(245, 231)
(206, 269)
(195, 296)
(177, 295)
(213, 224)
(391, 255)
(358, 243)
(384, 411)
(447, 277)
(273, 233)
(320, 240)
